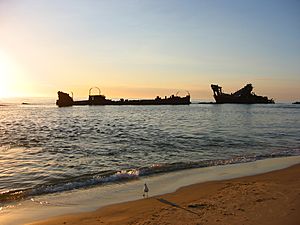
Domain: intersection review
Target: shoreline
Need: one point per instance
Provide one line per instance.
(269, 198)
(87, 200)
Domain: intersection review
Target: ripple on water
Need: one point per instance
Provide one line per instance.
(66, 147)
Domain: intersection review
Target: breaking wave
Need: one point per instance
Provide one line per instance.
(107, 177)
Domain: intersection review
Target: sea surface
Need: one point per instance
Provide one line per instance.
(45, 149)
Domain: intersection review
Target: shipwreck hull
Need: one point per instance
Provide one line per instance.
(238, 100)
(65, 100)
(242, 96)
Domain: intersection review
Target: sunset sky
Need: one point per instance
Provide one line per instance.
(144, 48)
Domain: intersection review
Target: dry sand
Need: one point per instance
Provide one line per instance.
(270, 198)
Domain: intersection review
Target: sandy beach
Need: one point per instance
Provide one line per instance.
(269, 198)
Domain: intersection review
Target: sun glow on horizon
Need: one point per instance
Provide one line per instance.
(4, 71)
(7, 76)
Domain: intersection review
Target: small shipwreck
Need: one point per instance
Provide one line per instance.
(242, 96)
(64, 99)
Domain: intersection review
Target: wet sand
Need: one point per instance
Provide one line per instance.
(270, 198)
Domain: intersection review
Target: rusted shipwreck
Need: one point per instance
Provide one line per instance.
(65, 99)
(242, 96)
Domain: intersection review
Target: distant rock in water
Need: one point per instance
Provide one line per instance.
(242, 96)
(296, 102)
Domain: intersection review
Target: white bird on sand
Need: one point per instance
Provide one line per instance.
(146, 190)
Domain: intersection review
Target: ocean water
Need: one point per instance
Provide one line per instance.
(45, 149)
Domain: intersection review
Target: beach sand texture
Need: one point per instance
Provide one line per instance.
(270, 198)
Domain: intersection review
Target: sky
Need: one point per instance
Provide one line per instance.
(145, 48)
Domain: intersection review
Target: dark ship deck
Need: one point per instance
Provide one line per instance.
(65, 99)
(242, 96)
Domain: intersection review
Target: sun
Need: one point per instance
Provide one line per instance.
(3, 79)
(5, 76)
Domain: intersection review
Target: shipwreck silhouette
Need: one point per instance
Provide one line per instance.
(242, 96)
(65, 99)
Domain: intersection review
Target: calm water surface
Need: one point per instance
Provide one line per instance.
(45, 149)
